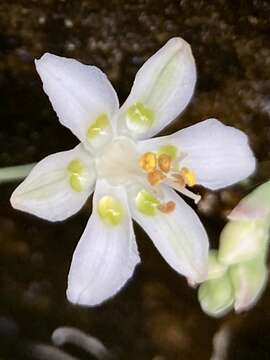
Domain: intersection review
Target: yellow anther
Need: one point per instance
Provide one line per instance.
(155, 177)
(188, 176)
(165, 162)
(167, 207)
(148, 161)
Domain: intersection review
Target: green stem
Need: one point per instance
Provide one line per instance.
(13, 173)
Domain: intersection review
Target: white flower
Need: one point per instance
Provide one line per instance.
(131, 174)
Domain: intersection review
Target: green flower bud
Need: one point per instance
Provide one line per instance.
(254, 206)
(216, 296)
(215, 268)
(242, 240)
(249, 280)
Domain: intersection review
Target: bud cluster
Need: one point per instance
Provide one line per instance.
(237, 271)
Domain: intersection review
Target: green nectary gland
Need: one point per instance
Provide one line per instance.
(140, 115)
(146, 203)
(98, 127)
(110, 210)
(76, 170)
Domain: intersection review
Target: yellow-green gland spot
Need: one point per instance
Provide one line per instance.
(98, 127)
(146, 203)
(110, 210)
(140, 117)
(77, 175)
(170, 150)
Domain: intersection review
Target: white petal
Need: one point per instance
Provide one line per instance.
(106, 255)
(79, 93)
(47, 191)
(165, 84)
(218, 154)
(179, 236)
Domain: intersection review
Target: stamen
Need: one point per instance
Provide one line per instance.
(185, 191)
(161, 168)
(165, 162)
(155, 177)
(191, 195)
(170, 150)
(188, 176)
(167, 207)
(178, 179)
(148, 161)
(149, 205)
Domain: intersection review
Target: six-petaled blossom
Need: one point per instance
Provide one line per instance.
(133, 176)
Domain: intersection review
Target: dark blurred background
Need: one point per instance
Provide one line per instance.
(156, 316)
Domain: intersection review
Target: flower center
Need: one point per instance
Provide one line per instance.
(119, 162)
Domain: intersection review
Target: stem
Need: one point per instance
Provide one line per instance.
(13, 173)
(92, 345)
(47, 352)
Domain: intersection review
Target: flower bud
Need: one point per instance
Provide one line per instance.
(242, 240)
(249, 280)
(255, 205)
(215, 268)
(216, 296)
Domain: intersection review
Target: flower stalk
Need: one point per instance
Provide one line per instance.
(14, 173)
